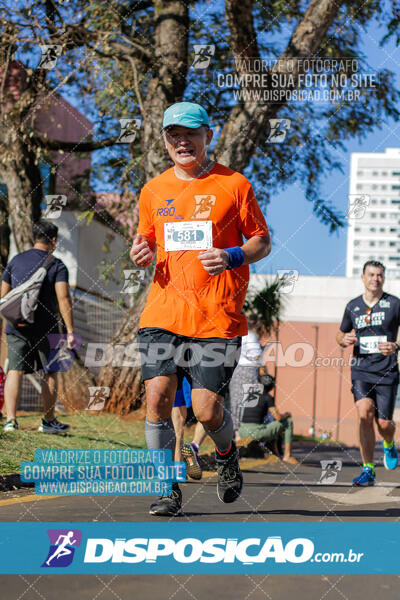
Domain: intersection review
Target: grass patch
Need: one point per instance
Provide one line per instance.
(87, 431)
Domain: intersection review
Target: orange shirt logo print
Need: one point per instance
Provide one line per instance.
(203, 206)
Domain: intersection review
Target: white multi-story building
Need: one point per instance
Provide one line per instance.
(374, 211)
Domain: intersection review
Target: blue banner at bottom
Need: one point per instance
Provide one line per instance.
(307, 548)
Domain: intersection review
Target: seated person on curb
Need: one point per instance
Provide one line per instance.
(264, 423)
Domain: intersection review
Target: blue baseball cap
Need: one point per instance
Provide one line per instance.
(187, 114)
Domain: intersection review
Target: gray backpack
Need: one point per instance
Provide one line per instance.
(19, 305)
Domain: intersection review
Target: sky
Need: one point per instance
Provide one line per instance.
(300, 241)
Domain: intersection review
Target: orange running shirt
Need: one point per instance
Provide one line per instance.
(184, 298)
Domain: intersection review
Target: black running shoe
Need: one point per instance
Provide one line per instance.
(230, 478)
(168, 506)
(191, 458)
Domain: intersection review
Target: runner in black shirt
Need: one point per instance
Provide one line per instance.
(371, 323)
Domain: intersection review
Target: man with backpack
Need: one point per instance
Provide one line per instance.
(28, 344)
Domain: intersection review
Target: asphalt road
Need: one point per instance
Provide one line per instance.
(273, 492)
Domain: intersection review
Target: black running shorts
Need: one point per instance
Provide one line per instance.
(206, 362)
(383, 396)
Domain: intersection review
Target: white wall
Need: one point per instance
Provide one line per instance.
(320, 299)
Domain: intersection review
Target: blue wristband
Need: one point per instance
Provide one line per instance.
(236, 257)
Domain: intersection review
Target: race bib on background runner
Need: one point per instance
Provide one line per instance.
(188, 235)
(369, 343)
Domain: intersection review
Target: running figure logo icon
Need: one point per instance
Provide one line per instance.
(54, 206)
(203, 207)
(357, 205)
(287, 278)
(129, 130)
(252, 393)
(203, 54)
(330, 470)
(50, 53)
(133, 280)
(98, 397)
(62, 547)
(278, 130)
(61, 358)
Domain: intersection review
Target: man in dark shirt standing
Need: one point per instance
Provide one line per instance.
(28, 346)
(370, 323)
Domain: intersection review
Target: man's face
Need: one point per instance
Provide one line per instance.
(53, 244)
(187, 146)
(373, 279)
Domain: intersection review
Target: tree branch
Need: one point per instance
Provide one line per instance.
(48, 144)
(247, 123)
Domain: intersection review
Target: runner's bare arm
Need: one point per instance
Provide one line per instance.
(346, 339)
(65, 306)
(5, 288)
(256, 248)
(142, 251)
(216, 260)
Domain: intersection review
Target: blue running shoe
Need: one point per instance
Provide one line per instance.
(366, 478)
(390, 457)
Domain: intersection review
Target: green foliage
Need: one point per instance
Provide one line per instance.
(106, 86)
(267, 304)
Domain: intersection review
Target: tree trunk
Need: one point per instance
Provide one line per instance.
(23, 181)
(168, 81)
(167, 86)
(73, 386)
(126, 391)
(4, 232)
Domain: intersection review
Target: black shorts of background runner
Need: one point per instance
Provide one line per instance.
(383, 396)
(190, 358)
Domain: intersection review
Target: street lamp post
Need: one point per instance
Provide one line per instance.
(340, 393)
(316, 327)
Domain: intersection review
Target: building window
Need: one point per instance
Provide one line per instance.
(373, 215)
(381, 244)
(375, 173)
(392, 244)
(383, 187)
(359, 186)
(382, 229)
(374, 201)
(372, 228)
(384, 173)
(360, 172)
(357, 229)
(383, 215)
(372, 244)
(357, 242)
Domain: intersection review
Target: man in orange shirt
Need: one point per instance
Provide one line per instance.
(195, 216)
